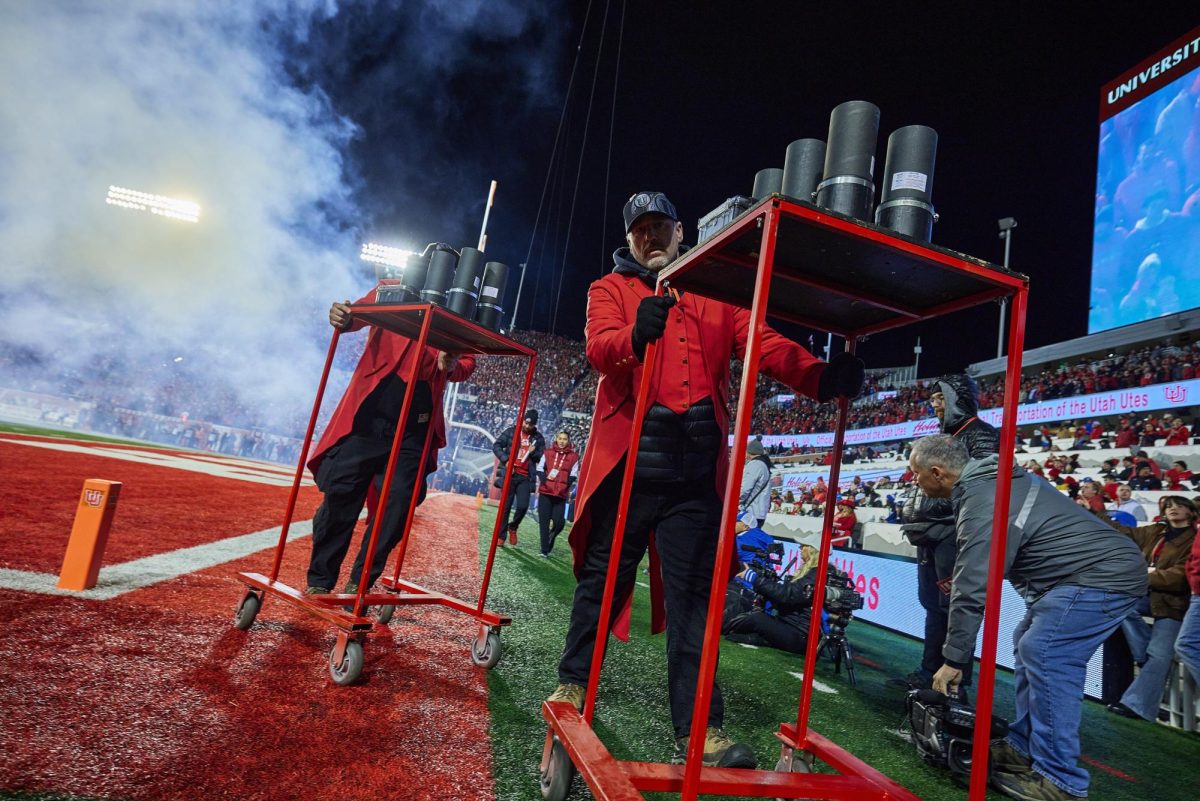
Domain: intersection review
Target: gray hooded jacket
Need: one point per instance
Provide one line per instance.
(1051, 541)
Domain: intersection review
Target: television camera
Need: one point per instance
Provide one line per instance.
(943, 730)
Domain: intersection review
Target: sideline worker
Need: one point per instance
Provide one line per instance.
(682, 458)
(353, 452)
(1079, 579)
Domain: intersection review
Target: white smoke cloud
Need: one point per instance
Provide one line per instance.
(187, 100)
(282, 119)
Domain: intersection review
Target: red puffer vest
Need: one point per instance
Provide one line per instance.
(559, 464)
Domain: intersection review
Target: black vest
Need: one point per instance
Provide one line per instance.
(678, 448)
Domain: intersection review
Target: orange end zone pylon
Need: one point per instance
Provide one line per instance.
(89, 534)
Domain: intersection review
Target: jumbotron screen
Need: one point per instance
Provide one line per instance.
(1146, 240)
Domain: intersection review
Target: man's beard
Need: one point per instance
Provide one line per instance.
(656, 263)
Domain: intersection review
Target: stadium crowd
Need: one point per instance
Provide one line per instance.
(159, 400)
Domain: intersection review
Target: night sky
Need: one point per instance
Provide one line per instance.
(706, 95)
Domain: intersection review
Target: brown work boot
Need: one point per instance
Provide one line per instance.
(512, 535)
(573, 694)
(1006, 759)
(720, 751)
(1031, 786)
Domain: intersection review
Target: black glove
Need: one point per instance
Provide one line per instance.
(843, 376)
(651, 321)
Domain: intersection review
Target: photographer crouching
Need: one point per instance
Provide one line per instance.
(780, 618)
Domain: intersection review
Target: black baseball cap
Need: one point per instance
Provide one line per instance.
(532, 416)
(647, 203)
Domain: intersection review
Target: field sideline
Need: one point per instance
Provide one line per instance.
(149, 693)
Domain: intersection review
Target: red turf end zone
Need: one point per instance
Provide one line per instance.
(153, 695)
(160, 509)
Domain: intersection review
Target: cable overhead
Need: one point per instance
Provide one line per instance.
(579, 169)
(554, 151)
(612, 119)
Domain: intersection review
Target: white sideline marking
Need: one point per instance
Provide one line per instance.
(819, 686)
(748, 645)
(244, 471)
(643, 584)
(129, 576)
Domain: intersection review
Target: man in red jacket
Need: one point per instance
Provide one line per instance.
(682, 461)
(557, 474)
(353, 451)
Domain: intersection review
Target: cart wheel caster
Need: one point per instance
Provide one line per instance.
(556, 778)
(489, 654)
(385, 614)
(801, 763)
(247, 610)
(351, 665)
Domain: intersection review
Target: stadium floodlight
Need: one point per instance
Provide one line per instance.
(384, 254)
(175, 209)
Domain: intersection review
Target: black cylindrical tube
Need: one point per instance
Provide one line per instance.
(490, 311)
(441, 273)
(767, 182)
(803, 166)
(905, 204)
(464, 292)
(847, 184)
(412, 279)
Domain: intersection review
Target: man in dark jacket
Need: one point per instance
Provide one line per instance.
(955, 401)
(529, 452)
(928, 523)
(1079, 579)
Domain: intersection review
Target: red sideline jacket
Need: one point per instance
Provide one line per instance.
(387, 353)
(559, 462)
(722, 329)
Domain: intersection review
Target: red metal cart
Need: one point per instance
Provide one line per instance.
(806, 265)
(426, 324)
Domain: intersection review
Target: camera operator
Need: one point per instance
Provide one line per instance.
(928, 524)
(786, 625)
(1079, 578)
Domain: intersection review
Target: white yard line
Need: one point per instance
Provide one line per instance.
(819, 686)
(116, 580)
(245, 471)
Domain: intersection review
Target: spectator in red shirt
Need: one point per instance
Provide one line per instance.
(1089, 491)
(844, 521)
(1177, 475)
(1178, 433)
(1127, 436)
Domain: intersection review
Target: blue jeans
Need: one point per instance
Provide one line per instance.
(1187, 644)
(1153, 648)
(1052, 646)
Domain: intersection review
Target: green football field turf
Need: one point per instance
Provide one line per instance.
(632, 719)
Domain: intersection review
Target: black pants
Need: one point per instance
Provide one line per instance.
(685, 520)
(551, 519)
(749, 626)
(935, 563)
(519, 487)
(345, 476)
